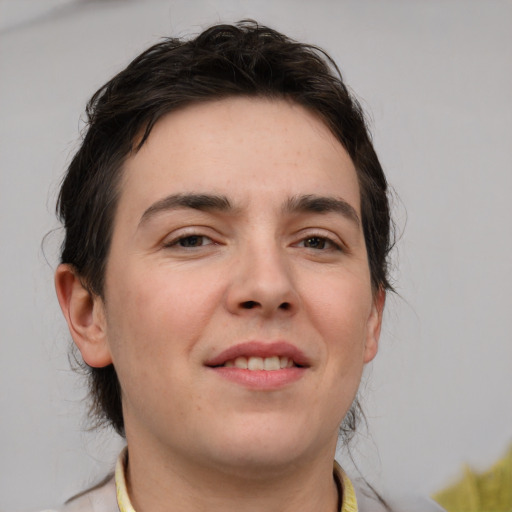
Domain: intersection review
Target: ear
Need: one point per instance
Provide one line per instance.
(85, 315)
(374, 325)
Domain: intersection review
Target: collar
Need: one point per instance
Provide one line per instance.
(123, 500)
(345, 487)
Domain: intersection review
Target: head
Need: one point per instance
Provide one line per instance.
(224, 62)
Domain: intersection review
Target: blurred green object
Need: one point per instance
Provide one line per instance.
(490, 491)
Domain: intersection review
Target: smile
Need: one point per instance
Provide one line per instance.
(260, 366)
(258, 355)
(260, 363)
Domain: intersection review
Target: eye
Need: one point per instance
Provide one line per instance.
(319, 243)
(315, 242)
(190, 241)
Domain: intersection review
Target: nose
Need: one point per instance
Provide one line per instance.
(262, 283)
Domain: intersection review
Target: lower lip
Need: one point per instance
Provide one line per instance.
(261, 379)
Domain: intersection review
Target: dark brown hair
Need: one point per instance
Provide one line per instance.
(245, 59)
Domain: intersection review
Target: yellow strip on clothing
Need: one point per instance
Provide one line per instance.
(349, 500)
(123, 500)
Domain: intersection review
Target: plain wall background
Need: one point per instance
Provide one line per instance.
(436, 79)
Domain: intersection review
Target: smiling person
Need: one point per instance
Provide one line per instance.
(224, 273)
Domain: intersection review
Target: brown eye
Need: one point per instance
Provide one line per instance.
(319, 243)
(193, 241)
(316, 242)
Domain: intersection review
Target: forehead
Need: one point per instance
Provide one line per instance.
(241, 147)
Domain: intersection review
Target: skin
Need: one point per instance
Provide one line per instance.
(184, 284)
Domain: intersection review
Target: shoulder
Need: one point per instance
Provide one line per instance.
(101, 498)
(415, 503)
(368, 502)
(360, 496)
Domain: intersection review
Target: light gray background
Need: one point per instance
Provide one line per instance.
(436, 79)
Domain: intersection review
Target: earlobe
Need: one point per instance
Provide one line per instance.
(374, 326)
(85, 315)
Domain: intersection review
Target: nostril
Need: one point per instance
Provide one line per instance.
(252, 304)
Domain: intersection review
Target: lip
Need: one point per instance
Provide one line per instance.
(265, 380)
(260, 349)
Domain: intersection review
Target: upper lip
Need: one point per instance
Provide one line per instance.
(260, 349)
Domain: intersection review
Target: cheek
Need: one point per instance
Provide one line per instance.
(156, 315)
(341, 309)
(154, 322)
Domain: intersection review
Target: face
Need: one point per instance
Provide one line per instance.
(238, 307)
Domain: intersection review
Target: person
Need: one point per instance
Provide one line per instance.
(224, 272)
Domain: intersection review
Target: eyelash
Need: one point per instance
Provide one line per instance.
(321, 239)
(175, 242)
(335, 246)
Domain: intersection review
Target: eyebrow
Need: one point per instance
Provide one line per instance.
(203, 202)
(321, 204)
(220, 203)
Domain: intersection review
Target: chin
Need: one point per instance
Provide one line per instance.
(270, 449)
(259, 462)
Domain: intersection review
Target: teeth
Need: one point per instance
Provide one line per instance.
(284, 362)
(260, 363)
(241, 362)
(255, 363)
(271, 363)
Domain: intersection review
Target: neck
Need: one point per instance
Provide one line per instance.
(158, 484)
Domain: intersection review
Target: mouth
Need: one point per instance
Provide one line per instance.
(253, 363)
(260, 365)
(257, 355)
